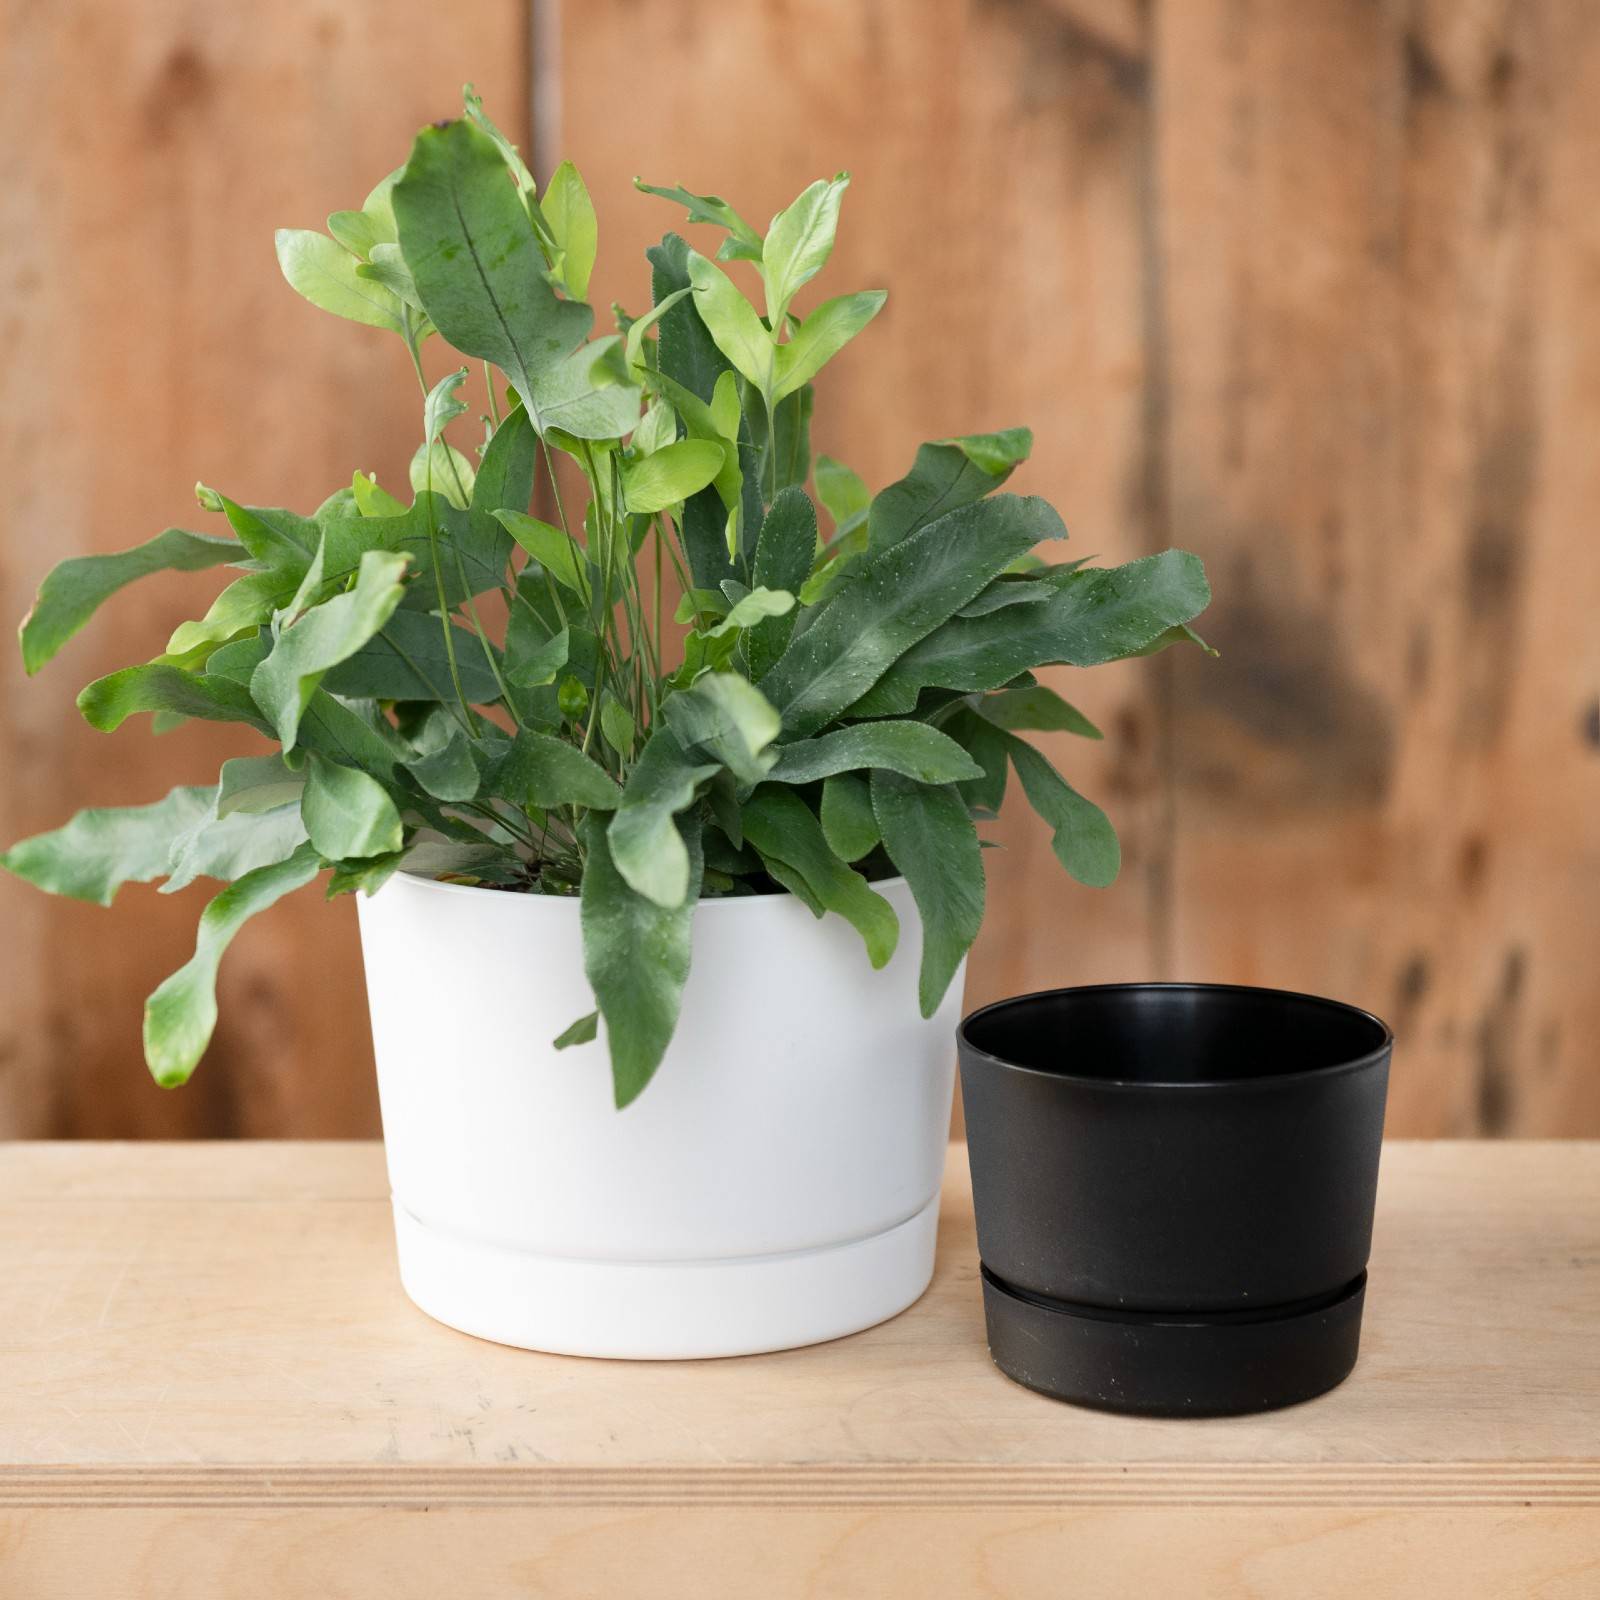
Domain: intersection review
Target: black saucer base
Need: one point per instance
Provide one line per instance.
(1174, 1364)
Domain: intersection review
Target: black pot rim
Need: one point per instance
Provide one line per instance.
(1192, 1086)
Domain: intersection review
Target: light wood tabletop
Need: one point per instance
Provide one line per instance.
(214, 1387)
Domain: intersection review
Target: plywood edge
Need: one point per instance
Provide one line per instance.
(941, 1485)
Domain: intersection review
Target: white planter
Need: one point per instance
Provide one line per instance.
(776, 1184)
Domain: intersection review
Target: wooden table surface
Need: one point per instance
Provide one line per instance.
(214, 1387)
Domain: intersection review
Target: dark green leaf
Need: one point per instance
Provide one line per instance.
(987, 746)
(1095, 615)
(1083, 839)
(896, 598)
(543, 771)
(783, 561)
(1037, 708)
(848, 822)
(930, 838)
(785, 829)
(636, 953)
(912, 749)
(257, 783)
(407, 661)
(583, 1031)
(504, 482)
(945, 475)
(728, 721)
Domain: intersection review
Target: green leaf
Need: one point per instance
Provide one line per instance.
(442, 469)
(783, 828)
(367, 876)
(726, 719)
(559, 554)
(509, 154)
(567, 398)
(931, 839)
(645, 842)
(799, 242)
(848, 822)
(541, 770)
(1007, 591)
(505, 479)
(180, 1016)
(896, 598)
(636, 953)
(1096, 614)
(273, 536)
(1036, 708)
(783, 562)
(74, 590)
(986, 745)
(1082, 837)
(346, 813)
(407, 661)
(912, 749)
(371, 500)
(617, 726)
(570, 214)
(688, 355)
(531, 664)
(472, 249)
(442, 405)
(946, 474)
(820, 338)
(733, 323)
(322, 638)
(583, 1031)
(325, 273)
(227, 847)
(257, 783)
(842, 492)
(445, 766)
(99, 850)
(108, 702)
(707, 208)
(753, 608)
(670, 475)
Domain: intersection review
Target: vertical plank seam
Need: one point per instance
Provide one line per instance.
(545, 132)
(1155, 490)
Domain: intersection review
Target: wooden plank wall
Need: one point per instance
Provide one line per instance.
(1308, 289)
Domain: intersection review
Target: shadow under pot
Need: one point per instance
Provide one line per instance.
(1174, 1187)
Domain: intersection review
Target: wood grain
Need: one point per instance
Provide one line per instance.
(150, 340)
(216, 1386)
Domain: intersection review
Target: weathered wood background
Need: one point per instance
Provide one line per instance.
(1313, 290)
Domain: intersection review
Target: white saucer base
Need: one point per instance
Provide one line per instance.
(665, 1310)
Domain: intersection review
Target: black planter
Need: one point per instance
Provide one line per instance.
(1174, 1187)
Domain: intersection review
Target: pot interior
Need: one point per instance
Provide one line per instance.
(1173, 1033)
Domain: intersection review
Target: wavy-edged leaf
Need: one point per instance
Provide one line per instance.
(645, 843)
(785, 829)
(180, 1016)
(636, 953)
(1037, 709)
(895, 599)
(1096, 614)
(108, 702)
(75, 589)
(946, 474)
(100, 849)
(848, 822)
(227, 847)
(1082, 837)
(707, 208)
(912, 749)
(322, 638)
(931, 839)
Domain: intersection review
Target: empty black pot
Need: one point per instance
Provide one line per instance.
(1174, 1187)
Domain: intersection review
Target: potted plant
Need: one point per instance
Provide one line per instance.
(549, 794)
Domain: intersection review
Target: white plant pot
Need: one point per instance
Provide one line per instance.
(776, 1184)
